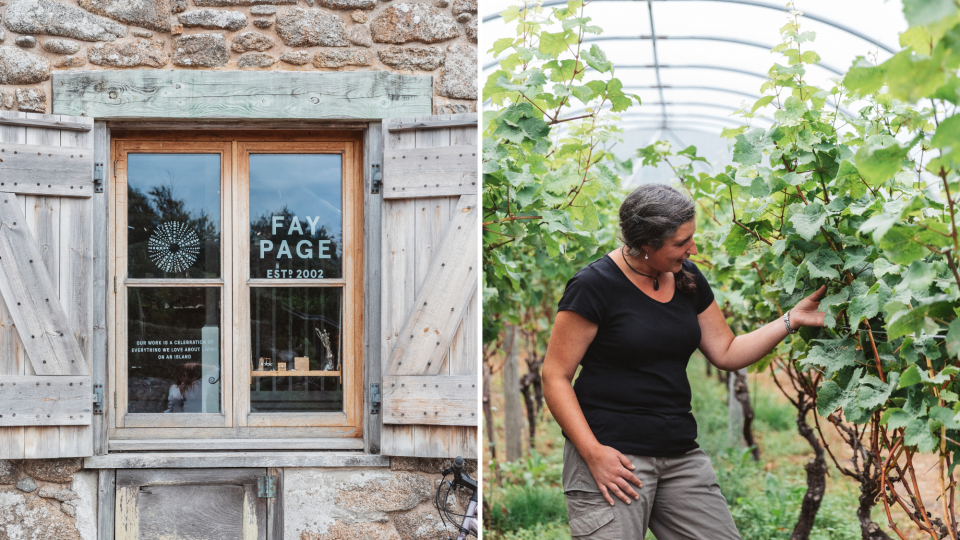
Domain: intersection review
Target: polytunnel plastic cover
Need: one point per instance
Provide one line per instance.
(694, 62)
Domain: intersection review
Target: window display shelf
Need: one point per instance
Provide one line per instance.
(295, 373)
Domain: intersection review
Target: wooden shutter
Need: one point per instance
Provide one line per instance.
(430, 308)
(46, 281)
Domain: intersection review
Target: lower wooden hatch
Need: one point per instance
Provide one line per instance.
(190, 504)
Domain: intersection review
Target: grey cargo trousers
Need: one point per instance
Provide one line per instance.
(679, 500)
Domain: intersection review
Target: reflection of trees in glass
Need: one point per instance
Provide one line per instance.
(261, 228)
(146, 211)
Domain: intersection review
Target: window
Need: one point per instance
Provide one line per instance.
(238, 263)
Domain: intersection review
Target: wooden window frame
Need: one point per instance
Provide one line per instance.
(237, 423)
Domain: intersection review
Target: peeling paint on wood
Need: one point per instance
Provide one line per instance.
(127, 524)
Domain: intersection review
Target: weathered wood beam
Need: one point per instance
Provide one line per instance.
(366, 95)
(432, 124)
(46, 170)
(101, 226)
(52, 124)
(195, 460)
(106, 503)
(429, 172)
(444, 297)
(372, 282)
(32, 300)
(46, 401)
(174, 477)
(445, 400)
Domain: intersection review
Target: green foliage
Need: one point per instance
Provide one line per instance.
(550, 189)
(770, 414)
(516, 507)
(534, 469)
(764, 505)
(540, 531)
(862, 205)
(770, 514)
(861, 202)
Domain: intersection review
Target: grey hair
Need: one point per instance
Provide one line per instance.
(650, 215)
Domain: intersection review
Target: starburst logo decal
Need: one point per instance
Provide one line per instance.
(173, 246)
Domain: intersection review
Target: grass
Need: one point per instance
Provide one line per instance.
(764, 497)
(540, 531)
(772, 414)
(514, 508)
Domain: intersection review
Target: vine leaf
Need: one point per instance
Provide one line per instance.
(809, 221)
(747, 150)
(878, 163)
(863, 307)
(953, 338)
(919, 276)
(879, 224)
(910, 376)
(833, 354)
(921, 12)
(899, 245)
(820, 264)
(918, 434)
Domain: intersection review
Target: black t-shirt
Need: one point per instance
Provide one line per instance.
(633, 385)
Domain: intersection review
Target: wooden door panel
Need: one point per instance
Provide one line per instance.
(190, 504)
(194, 512)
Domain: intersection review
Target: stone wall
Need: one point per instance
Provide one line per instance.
(52, 499)
(434, 37)
(369, 504)
(47, 499)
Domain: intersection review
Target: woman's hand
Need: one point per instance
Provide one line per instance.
(805, 313)
(611, 471)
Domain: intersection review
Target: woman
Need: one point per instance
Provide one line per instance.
(185, 393)
(631, 320)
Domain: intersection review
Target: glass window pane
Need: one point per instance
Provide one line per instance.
(173, 215)
(173, 354)
(296, 330)
(296, 216)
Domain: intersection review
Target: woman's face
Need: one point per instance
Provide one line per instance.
(674, 250)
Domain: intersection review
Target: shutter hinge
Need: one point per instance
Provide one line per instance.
(114, 284)
(98, 177)
(374, 398)
(114, 399)
(114, 168)
(376, 178)
(267, 487)
(98, 399)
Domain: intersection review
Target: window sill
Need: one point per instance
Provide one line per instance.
(168, 445)
(204, 460)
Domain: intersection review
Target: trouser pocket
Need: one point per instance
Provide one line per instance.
(591, 517)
